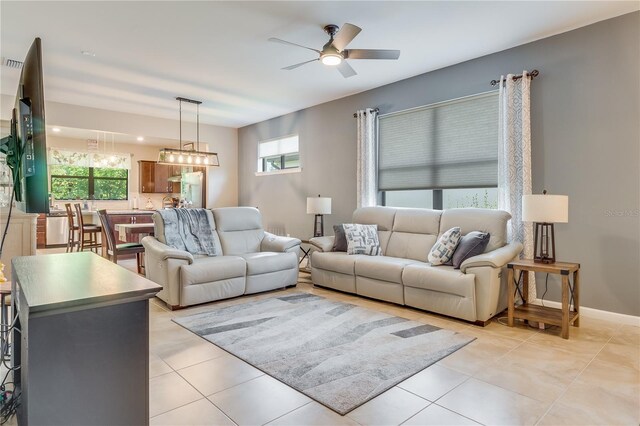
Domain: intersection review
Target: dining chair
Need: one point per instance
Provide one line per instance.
(85, 230)
(71, 235)
(113, 249)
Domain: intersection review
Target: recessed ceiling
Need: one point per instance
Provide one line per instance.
(147, 53)
(107, 138)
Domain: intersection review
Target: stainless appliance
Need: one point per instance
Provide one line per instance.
(57, 229)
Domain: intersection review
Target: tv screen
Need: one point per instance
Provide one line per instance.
(26, 148)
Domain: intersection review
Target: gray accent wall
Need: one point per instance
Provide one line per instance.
(585, 143)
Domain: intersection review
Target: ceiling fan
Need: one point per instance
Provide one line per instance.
(333, 53)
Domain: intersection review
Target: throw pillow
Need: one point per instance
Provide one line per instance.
(340, 240)
(443, 250)
(362, 239)
(472, 244)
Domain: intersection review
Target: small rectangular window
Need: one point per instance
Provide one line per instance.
(278, 155)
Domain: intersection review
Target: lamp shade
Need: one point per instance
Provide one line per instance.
(318, 205)
(545, 208)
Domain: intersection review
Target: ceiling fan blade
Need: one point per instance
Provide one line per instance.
(278, 40)
(292, 67)
(347, 33)
(346, 70)
(371, 54)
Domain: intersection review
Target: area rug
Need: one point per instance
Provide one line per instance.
(339, 354)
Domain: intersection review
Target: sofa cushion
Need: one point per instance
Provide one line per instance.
(240, 229)
(443, 250)
(336, 261)
(485, 220)
(470, 245)
(381, 216)
(209, 269)
(340, 239)
(444, 279)
(362, 239)
(382, 268)
(265, 262)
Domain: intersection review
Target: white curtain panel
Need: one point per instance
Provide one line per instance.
(366, 192)
(514, 161)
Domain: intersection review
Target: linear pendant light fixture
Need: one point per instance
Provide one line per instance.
(186, 157)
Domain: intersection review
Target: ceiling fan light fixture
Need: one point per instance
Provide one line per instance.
(331, 59)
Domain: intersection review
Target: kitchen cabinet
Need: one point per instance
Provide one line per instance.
(147, 176)
(154, 177)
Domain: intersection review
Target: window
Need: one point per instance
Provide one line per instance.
(84, 183)
(279, 155)
(439, 156)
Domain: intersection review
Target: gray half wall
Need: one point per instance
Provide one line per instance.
(585, 143)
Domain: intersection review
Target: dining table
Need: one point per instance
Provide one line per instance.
(138, 229)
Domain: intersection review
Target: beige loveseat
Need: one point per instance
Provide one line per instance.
(251, 260)
(475, 292)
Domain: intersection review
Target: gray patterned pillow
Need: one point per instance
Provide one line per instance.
(362, 239)
(444, 248)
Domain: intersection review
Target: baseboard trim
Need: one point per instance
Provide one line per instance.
(597, 313)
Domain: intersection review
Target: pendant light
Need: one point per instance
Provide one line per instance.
(183, 157)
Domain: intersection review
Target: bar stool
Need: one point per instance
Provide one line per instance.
(71, 236)
(87, 230)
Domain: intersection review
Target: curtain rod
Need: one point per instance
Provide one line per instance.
(374, 110)
(532, 74)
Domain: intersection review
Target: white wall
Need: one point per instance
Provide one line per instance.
(222, 181)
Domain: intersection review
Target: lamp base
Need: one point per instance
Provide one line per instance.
(544, 244)
(318, 226)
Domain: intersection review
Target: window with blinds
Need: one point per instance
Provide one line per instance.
(278, 155)
(442, 146)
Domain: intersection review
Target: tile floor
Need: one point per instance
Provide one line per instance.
(507, 375)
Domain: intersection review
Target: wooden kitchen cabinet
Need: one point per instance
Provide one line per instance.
(146, 176)
(154, 178)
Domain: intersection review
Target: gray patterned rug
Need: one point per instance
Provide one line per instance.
(339, 354)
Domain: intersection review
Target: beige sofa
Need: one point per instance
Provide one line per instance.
(475, 292)
(252, 260)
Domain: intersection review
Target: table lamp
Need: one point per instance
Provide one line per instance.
(544, 210)
(318, 206)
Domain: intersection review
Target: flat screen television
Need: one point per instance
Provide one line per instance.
(26, 146)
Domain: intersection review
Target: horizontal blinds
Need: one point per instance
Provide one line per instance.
(282, 146)
(446, 145)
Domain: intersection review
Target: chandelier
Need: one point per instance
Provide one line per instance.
(188, 157)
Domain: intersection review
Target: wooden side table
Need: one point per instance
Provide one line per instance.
(562, 317)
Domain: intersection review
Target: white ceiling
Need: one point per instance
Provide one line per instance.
(107, 138)
(147, 53)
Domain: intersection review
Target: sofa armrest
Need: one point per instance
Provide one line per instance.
(323, 243)
(495, 259)
(276, 243)
(163, 251)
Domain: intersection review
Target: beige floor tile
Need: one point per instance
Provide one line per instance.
(611, 378)
(389, 408)
(625, 355)
(535, 371)
(313, 414)
(519, 331)
(627, 335)
(433, 382)
(436, 415)
(219, 374)
(168, 392)
(185, 352)
(581, 339)
(157, 366)
(258, 401)
(486, 349)
(490, 404)
(199, 413)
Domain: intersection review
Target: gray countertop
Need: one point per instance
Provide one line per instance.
(73, 280)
